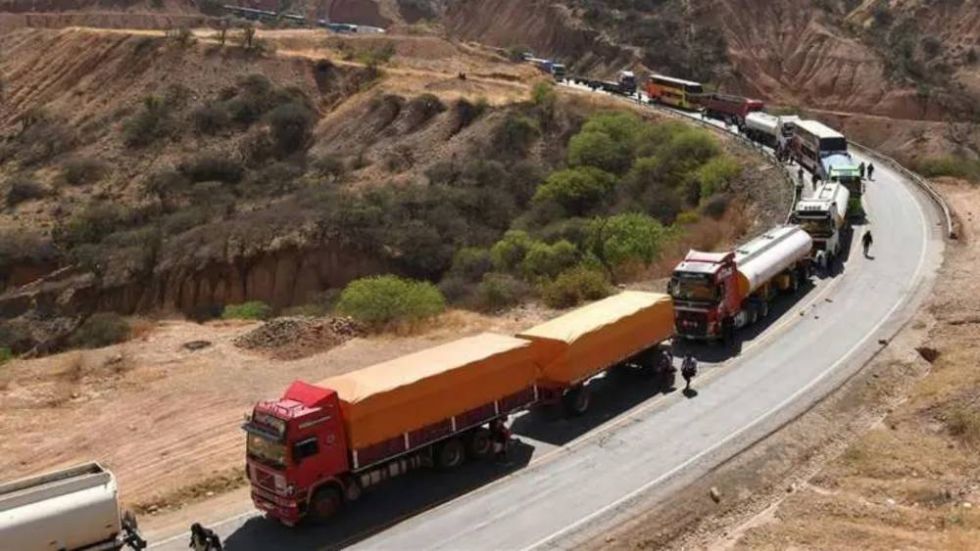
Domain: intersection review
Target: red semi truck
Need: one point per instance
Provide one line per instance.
(321, 445)
(716, 293)
(728, 108)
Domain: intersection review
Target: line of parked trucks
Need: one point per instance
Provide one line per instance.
(320, 446)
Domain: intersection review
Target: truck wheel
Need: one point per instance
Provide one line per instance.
(764, 309)
(479, 445)
(325, 503)
(576, 400)
(728, 331)
(450, 454)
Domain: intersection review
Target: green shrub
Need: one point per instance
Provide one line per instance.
(15, 336)
(622, 127)
(599, 150)
(209, 119)
(251, 310)
(543, 95)
(387, 299)
(579, 190)
(717, 174)
(329, 166)
(185, 219)
(956, 167)
(626, 238)
(151, 122)
(80, 171)
(547, 261)
(211, 167)
(515, 135)
(687, 217)
(716, 206)
(372, 57)
(509, 252)
(291, 126)
(21, 189)
(471, 263)
(101, 329)
(499, 292)
(5, 355)
(93, 224)
(574, 287)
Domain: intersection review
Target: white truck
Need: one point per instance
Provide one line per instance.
(71, 509)
(824, 216)
(771, 130)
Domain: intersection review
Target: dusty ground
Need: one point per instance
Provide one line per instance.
(166, 419)
(890, 461)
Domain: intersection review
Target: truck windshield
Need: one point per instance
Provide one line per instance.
(693, 289)
(266, 450)
(817, 227)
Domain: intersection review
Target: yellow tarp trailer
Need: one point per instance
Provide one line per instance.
(587, 340)
(408, 393)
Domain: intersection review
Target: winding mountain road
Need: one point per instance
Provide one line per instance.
(576, 478)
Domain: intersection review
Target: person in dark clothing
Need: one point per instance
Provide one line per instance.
(861, 169)
(871, 171)
(500, 435)
(866, 242)
(203, 539)
(799, 175)
(689, 369)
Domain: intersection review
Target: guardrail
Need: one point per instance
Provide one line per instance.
(919, 181)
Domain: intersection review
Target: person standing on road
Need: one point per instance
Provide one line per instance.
(500, 436)
(203, 539)
(689, 369)
(871, 171)
(799, 175)
(866, 242)
(861, 169)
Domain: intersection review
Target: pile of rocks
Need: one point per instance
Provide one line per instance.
(290, 338)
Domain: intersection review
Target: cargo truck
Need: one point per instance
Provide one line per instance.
(824, 217)
(716, 293)
(841, 168)
(625, 85)
(74, 508)
(728, 108)
(321, 445)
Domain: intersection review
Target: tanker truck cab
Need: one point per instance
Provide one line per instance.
(295, 446)
(824, 217)
(704, 290)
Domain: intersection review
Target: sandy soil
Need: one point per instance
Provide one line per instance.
(166, 419)
(889, 461)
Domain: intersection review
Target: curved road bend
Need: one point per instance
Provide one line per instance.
(585, 475)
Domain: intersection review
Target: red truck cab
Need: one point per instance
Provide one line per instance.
(296, 449)
(704, 287)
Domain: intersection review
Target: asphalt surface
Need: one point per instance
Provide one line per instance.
(572, 479)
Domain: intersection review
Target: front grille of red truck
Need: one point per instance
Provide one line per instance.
(692, 323)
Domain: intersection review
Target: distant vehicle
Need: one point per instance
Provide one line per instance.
(71, 509)
(841, 167)
(716, 293)
(824, 217)
(673, 91)
(551, 67)
(729, 108)
(770, 130)
(812, 141)
(323, 444)
(625, 85)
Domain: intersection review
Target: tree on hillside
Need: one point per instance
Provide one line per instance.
(599, 150)
(579, 190)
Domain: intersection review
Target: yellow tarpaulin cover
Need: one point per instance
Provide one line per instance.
(408, 393)
(585, 341)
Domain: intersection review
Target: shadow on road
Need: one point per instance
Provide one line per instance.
(612, 394)
(379, 509)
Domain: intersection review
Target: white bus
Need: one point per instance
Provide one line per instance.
(812, 141)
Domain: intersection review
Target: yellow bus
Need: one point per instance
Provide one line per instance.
(673, 91)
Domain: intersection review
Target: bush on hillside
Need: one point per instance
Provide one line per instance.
(152, 122)
(5, 355)
(209, 119)
(290, 126)
(631, 238)
(515, 135)
(80, 171)
(598, 150)
(717, 205)
(99, 330)
(93, 224)
(382, 300)
(575, 286)
(510, 251)
(251, 310)
(579, 190)
(21, 189)
(547, 261)
(956, 167)
(471, 263)
(498, 292)
(330, 167)
(212, 167)
(717, 174)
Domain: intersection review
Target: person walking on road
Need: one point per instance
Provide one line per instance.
(203, 539)
(866, 242)
(799, 175)
(861, 169)
(871, 171)
(689, 369)
(500, 436)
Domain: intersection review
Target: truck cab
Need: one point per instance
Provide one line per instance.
(824, 217)
(295, 447)
(627, 82)
(704, 288)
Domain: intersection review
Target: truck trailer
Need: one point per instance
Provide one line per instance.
(770, 130)
(728, 108)
(71, 509)
(824, 217)
(321, 445)
(716, 293)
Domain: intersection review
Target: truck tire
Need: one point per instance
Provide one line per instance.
(728, 331)
(325, 503)
(450, 454)
(478, 444)
(576, 401)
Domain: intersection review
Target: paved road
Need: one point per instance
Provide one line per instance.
(571, 479)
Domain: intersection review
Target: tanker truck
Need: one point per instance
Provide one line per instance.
(321, 445)
(74, 508)
(824, 217)
(716, 293)
(770, 130)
